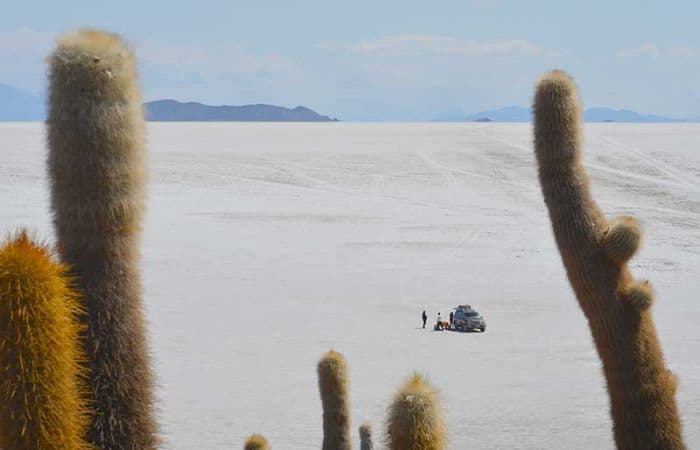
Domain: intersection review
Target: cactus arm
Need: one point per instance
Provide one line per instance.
(594, 254)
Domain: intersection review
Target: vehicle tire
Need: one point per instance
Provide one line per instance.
(483, 329)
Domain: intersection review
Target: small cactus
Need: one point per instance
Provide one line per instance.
(256, 442)
(366, 437)
(333, 386)
(97, 170)
(42, 398)
(594, 253)
(415, 419)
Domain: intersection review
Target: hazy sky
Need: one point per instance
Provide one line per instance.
(381, 59)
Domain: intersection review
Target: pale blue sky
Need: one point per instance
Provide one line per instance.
(381, 59)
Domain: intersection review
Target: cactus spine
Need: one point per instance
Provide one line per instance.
(594, 253)
(42, 403)
(366, 437)
(333, 385)
(97, 169)
(415, 419)
(256, 442)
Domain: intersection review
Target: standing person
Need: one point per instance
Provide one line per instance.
(452, 318)
(439, 322)
(424, 317)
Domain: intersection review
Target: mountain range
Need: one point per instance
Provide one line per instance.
(172, 110)
(17, 105)
(521, 114)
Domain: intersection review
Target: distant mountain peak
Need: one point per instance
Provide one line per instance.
(522, 114)
(169, 110)
(17, 105)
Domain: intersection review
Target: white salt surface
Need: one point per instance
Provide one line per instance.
(267, 244)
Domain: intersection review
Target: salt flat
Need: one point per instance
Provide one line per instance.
(267, 244)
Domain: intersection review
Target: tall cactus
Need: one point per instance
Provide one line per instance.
(333, 385)
(42, 402)
(97, 168)
(366, 437)
(595, 253)
(256, 442)
(415, 419)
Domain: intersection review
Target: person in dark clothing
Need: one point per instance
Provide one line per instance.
(452, 318)
(425, 318)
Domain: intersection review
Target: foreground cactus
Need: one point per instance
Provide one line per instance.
(366, 437)
(333, 385)
(97, 169)
(595, 252)
(256, 442)
(415, 419)
(42, 403)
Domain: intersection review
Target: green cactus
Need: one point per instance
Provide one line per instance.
(414, 420)
(333, 384)
(366, 437)
(42, 397)
(97, 169)
(256, 442)
(594, 253)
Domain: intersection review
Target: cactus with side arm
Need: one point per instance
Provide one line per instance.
(595, 252)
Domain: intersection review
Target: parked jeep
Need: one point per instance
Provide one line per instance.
(468, 319)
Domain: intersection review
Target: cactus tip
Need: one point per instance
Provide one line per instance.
(414, 419)
(332, 362)
(256, 442)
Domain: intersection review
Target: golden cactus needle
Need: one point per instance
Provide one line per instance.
(415, 420)
(42, 397)
(256, 442)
